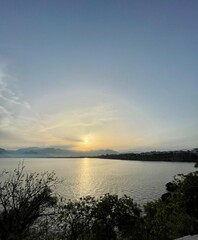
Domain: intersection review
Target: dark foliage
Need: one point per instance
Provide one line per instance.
(171, 156)
(176, 213)
(23, 199)
(109, 217)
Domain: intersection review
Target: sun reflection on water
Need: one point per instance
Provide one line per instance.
(85, 178)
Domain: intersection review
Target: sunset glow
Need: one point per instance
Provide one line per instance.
(104, 75)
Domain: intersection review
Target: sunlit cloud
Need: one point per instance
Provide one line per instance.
(79, 124)
(23, 126)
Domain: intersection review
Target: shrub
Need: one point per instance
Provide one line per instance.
(23, 199)
(176, 213)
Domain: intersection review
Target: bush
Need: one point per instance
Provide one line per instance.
(109, 217)
(176, 213)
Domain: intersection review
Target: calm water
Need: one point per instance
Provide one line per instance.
(143, 181)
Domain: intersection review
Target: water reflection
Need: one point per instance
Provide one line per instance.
(143, 181)
(85, 178)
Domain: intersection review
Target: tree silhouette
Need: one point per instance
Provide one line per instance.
(23, 199)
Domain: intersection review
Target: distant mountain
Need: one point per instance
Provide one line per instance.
(2, 151)
(36, 152)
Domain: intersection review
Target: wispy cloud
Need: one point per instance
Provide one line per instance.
(21, 125)
(5, 116)
(79, 122)
(14, 111)
(94, 117)
(10, 101)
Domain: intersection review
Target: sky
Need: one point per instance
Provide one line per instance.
(108, 74)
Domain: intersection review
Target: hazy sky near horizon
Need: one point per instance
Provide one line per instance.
(99, 74)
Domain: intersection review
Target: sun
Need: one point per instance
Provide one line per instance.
(86, 141)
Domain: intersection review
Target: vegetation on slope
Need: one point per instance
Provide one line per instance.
(175, 214)
(170, 156)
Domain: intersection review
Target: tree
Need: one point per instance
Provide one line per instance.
(106, 218)
(23, 199)
(75, 218)
(176, 213)
(118, 218)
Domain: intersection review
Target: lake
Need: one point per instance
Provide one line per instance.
(143, 181)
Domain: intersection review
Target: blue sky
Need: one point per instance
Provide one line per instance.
(99, 74)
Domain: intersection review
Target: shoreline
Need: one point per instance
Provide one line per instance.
(99, 157)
